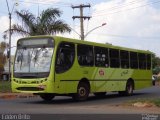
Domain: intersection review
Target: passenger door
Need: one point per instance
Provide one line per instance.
(64, 62)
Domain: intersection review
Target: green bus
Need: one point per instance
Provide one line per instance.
(50, 66)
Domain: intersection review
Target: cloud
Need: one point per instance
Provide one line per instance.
(4, 20)
(129, 25)
(48, 1)
(29, 3)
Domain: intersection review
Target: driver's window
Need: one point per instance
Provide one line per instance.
(65, 57)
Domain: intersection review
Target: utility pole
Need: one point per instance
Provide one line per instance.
(81, 17)
(9, 50)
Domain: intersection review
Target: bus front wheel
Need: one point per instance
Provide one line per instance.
(82, 92)
(47, 96)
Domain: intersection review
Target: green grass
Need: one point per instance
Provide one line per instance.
(154, 101)
(5, 86)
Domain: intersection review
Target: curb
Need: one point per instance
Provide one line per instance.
(17, 95)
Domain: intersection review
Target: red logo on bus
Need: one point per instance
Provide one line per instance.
(101, 72)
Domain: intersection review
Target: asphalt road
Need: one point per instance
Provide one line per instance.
(65, 105)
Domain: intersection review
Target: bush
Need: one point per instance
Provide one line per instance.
(5, 86)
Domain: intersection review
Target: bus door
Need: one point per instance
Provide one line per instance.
(64, 62)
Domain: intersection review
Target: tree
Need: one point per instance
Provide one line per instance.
(155, 64)
(3, 58)
(155, 61)
(45, 24)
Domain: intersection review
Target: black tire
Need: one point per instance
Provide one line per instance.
(129, 89)
(121, 93)
(82, 92)
(100, 94)
(47, 96)
(153, 82)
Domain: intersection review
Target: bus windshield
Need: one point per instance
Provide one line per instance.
(33, 59)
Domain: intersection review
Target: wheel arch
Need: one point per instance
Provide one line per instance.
(85, 80)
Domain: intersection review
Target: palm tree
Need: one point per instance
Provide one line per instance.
(45, 24)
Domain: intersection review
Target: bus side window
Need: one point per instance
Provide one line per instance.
(124, 56)
(60, 57)
(85, 55)
(65, 57)
(133, 60)
(101, 57)
(114, 58)
(148, 61)
(142, 60)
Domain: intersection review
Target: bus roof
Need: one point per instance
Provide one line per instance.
(100, 44)
(59, 38)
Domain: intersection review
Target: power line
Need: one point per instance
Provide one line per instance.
(62, 4)
(119, 6)
(124, 36)
(39, 2)
(126, 9)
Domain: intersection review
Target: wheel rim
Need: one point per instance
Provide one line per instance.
(130, 89)
(82, 92)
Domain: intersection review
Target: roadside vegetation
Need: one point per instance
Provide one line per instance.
(155, 64)
(3, 57)
(5, 86)
(158, 80)
(153, 102)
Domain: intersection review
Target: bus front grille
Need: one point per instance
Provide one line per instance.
(30, 89)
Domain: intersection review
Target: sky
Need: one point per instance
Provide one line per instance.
(129, 23)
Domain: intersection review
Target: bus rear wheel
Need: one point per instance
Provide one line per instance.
(129, 89)
(47, 96)
(100, 94)
(82, 92)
